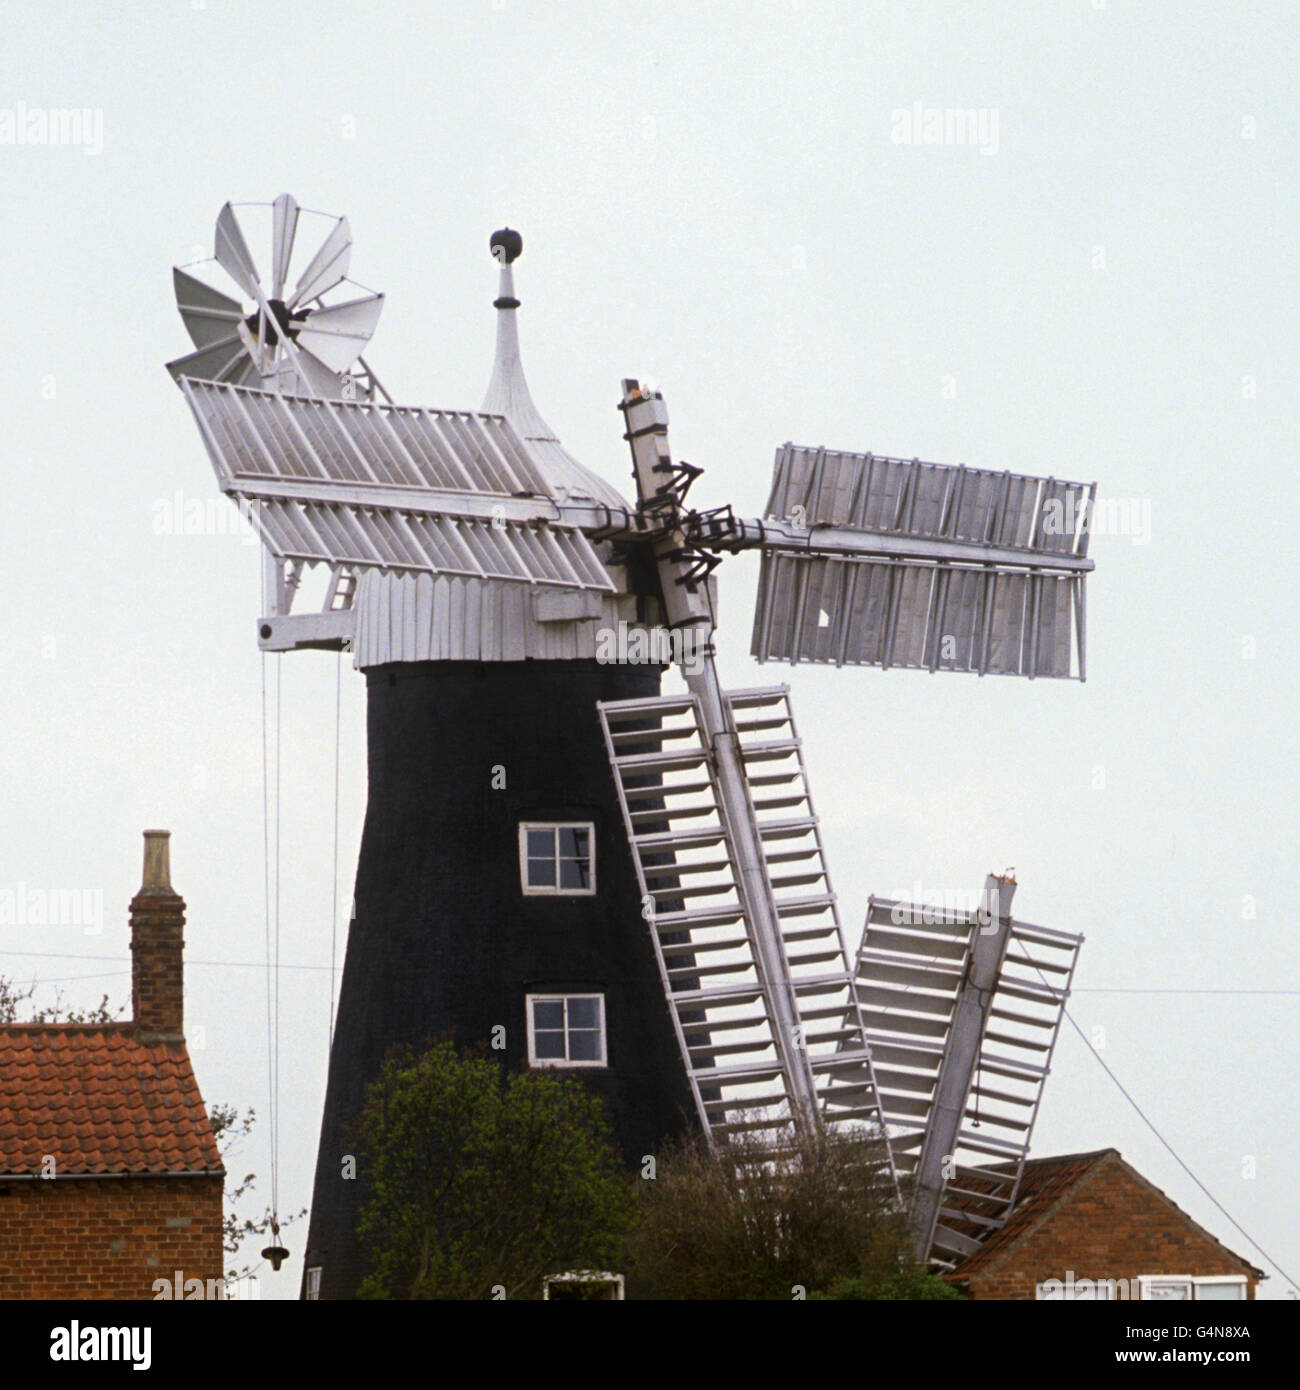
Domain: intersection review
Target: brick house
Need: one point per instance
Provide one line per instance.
(1089, 1226)
(110, 1178)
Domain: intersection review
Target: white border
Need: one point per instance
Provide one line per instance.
(534, 1060)
(540, 890)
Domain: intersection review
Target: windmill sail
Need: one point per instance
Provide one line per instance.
(912, 968)
(875, 561)
(303, 345)
(382, 487)
(686, 862)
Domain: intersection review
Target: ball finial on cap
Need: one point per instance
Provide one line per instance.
(506, 245)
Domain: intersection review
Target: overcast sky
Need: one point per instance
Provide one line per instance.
(735, 202)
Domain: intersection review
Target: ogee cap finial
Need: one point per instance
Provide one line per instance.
(506, 245)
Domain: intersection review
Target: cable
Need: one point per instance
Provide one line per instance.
(1127, 990)
(334, 900)
(275, 1109)
(261, 965)
(266, 881)
(1142, 1115)
(66, 979)
(221, 964)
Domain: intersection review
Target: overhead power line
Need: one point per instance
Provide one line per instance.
(1146, 1120)
(286, 965)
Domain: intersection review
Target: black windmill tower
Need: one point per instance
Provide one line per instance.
(668, 931)
(495, 899)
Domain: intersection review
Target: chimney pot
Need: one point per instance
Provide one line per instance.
(157, 862)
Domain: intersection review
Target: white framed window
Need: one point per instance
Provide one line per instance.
(1181, 1288)
(566, 1030)
(1188, 1287)
(1220, 1286)
(557, 858)
(1165, 1287)
(1075, 1291)
(589, 1285)
(312, 1290)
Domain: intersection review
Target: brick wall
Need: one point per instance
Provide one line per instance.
(87, 1238)
(1113, 1226)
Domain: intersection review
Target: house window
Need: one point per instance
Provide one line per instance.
(1165, 1287)
(1193, 1287)
(1075, 1291)
(566, 1030)
(1228, 1286)
(557, 858)
(583, 1285)
(312, 1290)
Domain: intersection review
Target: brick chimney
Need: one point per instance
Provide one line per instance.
(157, 946)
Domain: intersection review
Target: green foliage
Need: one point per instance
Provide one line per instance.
(474, 1179)
(899, 1284)
(742, 1225)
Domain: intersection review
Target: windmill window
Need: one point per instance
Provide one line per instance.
(312, 1291)
(557, 858)
(566, 1030)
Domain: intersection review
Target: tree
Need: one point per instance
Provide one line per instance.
(12, 998)
(476, 1181)
(745, 1224)
(229, 1127)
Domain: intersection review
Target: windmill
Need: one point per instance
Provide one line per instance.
(293, 340)
(670, 929)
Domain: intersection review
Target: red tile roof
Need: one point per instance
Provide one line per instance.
(1043, 1182)
(99, 1101)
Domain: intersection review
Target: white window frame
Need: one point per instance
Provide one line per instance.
(1192, 1283)
(1146, 1282)
(1239, 1280)
(532, 890)
(311, 1289)
(1101, 1291)
(586, 1276)
(534, 1060)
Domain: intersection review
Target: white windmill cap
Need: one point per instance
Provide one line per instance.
(508, 393)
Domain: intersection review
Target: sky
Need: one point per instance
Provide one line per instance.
(736, 202)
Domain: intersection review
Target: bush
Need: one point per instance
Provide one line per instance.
(899, 1284)
(741, 1225)
(474, 1179)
